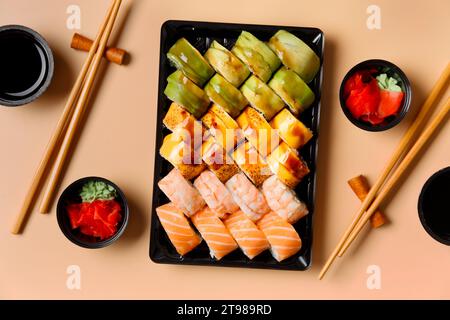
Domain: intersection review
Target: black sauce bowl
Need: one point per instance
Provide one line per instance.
(392, 71)
(71, 195)
(26, 65)
(434, 206)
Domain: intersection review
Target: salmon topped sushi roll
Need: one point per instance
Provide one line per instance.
(283, 201)
(250, 239)
(216, 235)
(247, 196)
(181, 192)
(284, 240)
(215, 194)
(180, 233)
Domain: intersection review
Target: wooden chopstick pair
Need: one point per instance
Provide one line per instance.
(69, 121)
(373, 198)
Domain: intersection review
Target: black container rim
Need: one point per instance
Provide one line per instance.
(421, 211)
(91, 245)
(45, 83)
(406, 101)
(305, 259)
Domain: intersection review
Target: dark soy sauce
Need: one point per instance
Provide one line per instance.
(436, 204)
(22, 66)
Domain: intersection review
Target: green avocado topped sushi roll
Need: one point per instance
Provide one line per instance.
(261, 97)
(187, 59)
(295, 54)
(259, 58)
(292, 89)
(227, 64)
(187, 94)
(223, 93)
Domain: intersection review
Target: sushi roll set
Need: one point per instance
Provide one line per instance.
(234, 144)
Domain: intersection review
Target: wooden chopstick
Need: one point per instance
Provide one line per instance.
(403, 145)
(410, 156)
(58, 133)
(77, 115)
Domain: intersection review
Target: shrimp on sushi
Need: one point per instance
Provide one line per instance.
(216, 235)
(181, 192)
(215, 194)
(247, 196)
(283, 201)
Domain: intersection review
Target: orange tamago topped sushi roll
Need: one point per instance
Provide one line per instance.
(258, 131)
(283, 201)
(251, 163)
(284, 240)
(177, 119)
(216, 195)
(217, 160)
(223, 128)
(290, 129)
(247, 196)
(181, 192)
(216, 235)
(181, 234)
(181, 155)
(287, 164)
(250, 239)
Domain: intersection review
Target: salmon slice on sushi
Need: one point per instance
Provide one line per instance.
(284, 240)
(180, 233)
(250, 239)
(247, 196)
(216, 235)
(181, 192)
(215, 194)
(283, 201)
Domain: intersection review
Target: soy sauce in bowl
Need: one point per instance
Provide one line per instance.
(26, 64)
(434, 206)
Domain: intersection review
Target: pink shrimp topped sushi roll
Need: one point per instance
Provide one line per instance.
(215, 194)
(181, 192)
(284, 240)
(247, 196)
(250, 239)
(178, 229)
(216, 235)
(283, 201)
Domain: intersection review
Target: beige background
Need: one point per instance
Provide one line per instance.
(118, 143)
